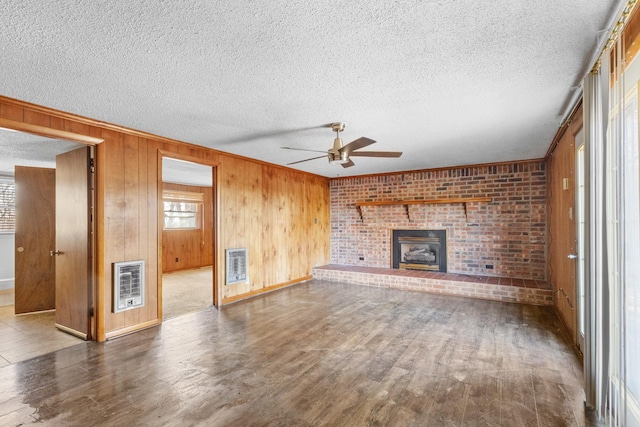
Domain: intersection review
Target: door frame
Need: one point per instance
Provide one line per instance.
(580, 223)
(215, 190)
(91, 141)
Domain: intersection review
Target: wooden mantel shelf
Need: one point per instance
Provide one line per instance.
(406, 203)
(425, 202)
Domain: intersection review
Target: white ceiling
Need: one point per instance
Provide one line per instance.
(186, 173)
(446, 82)
(23, 149)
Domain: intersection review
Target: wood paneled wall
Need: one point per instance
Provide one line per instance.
(280, 215)
(561, 210)
(183, 249)
(289, 218)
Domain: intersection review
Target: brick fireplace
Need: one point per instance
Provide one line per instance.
(502, 235)
(493, 217)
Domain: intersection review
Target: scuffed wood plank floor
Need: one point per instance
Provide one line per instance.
(316, 354)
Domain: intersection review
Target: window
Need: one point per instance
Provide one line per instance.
(630, 248)
(7, 205)
(182, 210)
(624, 250)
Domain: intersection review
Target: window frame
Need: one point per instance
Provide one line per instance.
(183, 198)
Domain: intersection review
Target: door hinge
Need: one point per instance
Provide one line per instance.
(91, 312)
(91, 164)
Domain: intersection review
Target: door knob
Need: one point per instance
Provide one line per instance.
(52, 253)
(572, 256)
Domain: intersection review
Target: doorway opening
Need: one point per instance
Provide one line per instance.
(28, 312)
(187, 224)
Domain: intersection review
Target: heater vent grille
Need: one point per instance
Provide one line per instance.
(128, 285)
(236, 266)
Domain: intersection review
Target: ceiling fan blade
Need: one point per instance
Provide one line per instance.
(303, 149)
(357, 144)
(376, 153)
(306, 160)
(348, 164)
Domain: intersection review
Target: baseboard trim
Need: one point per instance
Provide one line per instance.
(125, 331)
(71, 331)
(268, 289)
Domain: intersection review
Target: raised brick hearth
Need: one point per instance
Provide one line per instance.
(483, 287)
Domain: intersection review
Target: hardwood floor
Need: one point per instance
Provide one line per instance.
(319, 353)
(26, 336)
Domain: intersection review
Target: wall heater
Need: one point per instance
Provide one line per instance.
(128, 285)
(236, 266)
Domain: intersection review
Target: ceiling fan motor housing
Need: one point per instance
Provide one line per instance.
(337, 145)
(338, 157)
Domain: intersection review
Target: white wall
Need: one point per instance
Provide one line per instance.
(7, 260)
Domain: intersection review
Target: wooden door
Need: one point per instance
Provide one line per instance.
(34, 239)
(562, 225)
(74, 273)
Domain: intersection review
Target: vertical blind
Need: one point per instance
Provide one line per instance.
(7, 204)
(612, 356)
(623, 213)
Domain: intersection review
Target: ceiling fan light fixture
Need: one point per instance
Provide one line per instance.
(339, 158)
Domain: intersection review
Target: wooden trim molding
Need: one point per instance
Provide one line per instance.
(49, 132)
(71, 331)
(240, 297)
(215, 194)
(117, 128)
(574, 115)
(125, 331)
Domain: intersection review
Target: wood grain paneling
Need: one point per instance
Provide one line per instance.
(561, 237)
(74, 275)
(280, 215)
(288, 217)
(184, 249)
(35, 237)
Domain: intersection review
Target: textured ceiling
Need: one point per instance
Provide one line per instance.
(23, 149)
(446, 82)
(186, 173)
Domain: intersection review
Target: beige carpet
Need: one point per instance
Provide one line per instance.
(186, 291)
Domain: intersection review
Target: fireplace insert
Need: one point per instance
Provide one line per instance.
(419, 250)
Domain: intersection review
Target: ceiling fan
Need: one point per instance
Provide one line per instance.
(340, 154)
